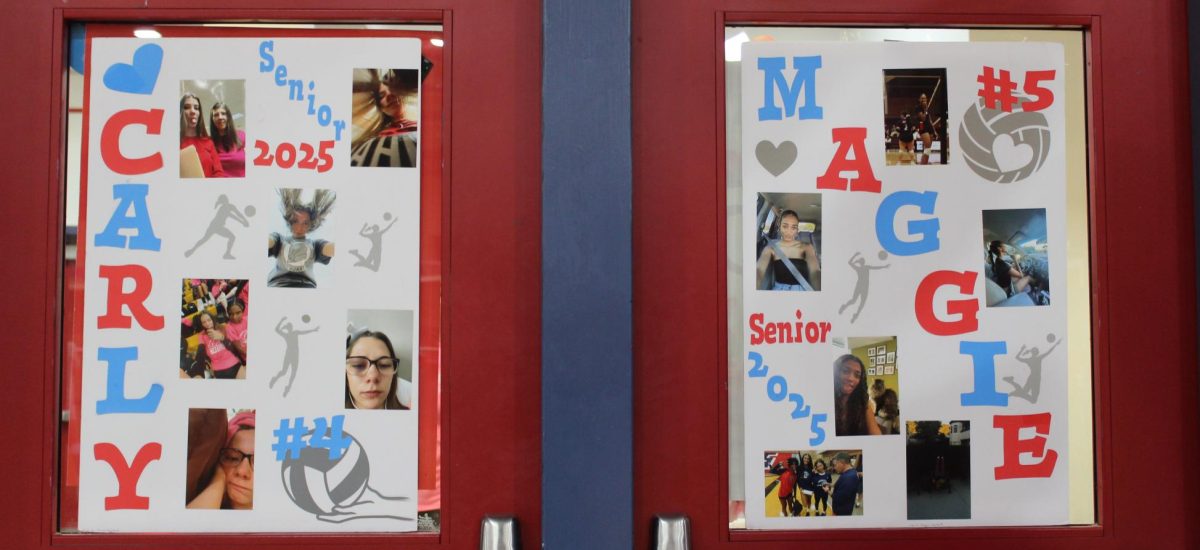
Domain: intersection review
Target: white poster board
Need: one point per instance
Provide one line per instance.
(918, 193)
(232, 271)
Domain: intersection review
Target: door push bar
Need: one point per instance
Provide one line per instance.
(499, 533)
(671, 532)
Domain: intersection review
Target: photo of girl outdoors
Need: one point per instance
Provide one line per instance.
(385, 111)
(212, 146)
(788, 242)
(220, 459)
(379, 354)
(213, 329)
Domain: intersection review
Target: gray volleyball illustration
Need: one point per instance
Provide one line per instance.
(317, 483)
(1003, 147)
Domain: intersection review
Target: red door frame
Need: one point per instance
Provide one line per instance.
(490, 333)
(1141, 421)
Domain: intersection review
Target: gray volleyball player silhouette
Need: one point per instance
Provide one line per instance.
(1033, 383)
(375, 236)
(860, 267)
(291, 353)
(225, 211)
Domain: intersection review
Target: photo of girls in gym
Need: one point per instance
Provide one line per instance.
(914, 116)
(213, 329)
(814, 483)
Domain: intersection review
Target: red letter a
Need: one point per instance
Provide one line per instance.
(850, 139)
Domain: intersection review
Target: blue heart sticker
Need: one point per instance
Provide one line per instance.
(138, 77)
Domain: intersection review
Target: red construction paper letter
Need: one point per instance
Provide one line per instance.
(127, 474)
(1014, 446)
(110, 141)
(850, 139)
(134, 299)
(965, 309)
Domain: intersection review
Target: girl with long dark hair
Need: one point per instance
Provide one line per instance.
(229, 142)
(850, 404)
(192, 133)
(371, 372)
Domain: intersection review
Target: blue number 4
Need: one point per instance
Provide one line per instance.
(330, 437)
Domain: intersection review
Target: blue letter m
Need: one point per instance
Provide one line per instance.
(806, 78)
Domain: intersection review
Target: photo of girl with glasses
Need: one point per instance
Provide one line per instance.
(371, 373)
(379, 359)
(220, 459)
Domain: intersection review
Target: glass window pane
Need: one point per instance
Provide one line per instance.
(235, 318)
(795, 208)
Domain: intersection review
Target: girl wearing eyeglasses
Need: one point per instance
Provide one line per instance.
(371, 367)
(232, 485)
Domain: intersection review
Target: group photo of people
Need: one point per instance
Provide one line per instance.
(915, 116)
(212, 137)
(787, 242)
(220, 459)
(379, 359)
(213, 328)
(813, 483)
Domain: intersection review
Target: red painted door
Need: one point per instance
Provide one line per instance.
(476, 400)
(1140, 240)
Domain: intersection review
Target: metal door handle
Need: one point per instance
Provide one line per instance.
(499, 533)
(671, 532)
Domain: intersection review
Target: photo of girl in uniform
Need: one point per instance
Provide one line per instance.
(914, 116)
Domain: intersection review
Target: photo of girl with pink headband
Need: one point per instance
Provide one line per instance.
(220, 462)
